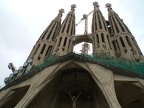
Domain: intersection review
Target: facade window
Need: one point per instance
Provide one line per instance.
(64, 25)
(117, 45)
(128, 41)
(60, 41)
(104, 23)
(65, 41)
(69, 24)
(95, 23)
(113, 42)
(36, 49)
(120, 24)
(116, 26)
(48, 50)
(99, 21)
(43, 35)
(38, 58)
(49, 35)
(122, 42)
(43, 48)
(102, 36)
(51, 30)
(109, 41)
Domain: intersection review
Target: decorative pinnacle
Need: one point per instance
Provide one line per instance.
(73, 6)
(108, 5)
(95, 4)
(61, 11)
(84, 16)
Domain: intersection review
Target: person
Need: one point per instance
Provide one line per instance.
(74, 99)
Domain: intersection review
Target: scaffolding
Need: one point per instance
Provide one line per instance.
(121, 65)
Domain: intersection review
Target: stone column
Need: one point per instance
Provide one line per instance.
(104, 79)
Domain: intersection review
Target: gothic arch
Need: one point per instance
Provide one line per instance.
(13, 97)
(81, 38)
(129, 95)
(70, 79)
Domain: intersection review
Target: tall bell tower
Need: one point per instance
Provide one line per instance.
(124, 42)
(102, 41)
(44, 45)
(63, 43)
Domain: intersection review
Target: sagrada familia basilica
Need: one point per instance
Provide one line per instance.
(53, 76)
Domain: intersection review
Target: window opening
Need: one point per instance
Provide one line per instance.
(65, 41)
(102, 36)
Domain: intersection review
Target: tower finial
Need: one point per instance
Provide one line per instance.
(108, 5)
(95, 4)
(61, 11)
(73, 6)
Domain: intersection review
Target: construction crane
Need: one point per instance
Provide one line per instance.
(85, 17)
(85, 46)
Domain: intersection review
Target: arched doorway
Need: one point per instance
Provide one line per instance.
(67, 84)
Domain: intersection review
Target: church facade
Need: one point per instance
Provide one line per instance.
(53, 76)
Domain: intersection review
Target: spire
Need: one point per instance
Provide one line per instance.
(124, 43)
(63, 43)
(116, 22)
(99, 22)
(96, 5)
(68, 25)
(44, 45)
(53, 29)
(101, 38)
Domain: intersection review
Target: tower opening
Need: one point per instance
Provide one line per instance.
(100, 25)
(102, 36)
(128, 41)
(48, 50)
(65, 40)
(122, 42)
(83, 47)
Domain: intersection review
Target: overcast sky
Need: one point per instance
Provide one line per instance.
(23, 21)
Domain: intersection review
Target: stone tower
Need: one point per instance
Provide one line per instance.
(124, 42)
(45, 43)
(54, 76)
(63, 43)
(102, 42)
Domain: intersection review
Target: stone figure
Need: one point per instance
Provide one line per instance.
(74, 99)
